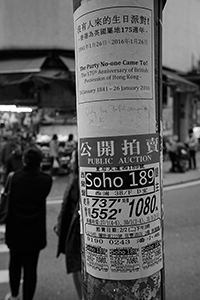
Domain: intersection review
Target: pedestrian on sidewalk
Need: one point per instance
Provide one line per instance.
(192, 145)
(172, 150)
(68, 227)
(25, 233)
(54, 155)
(14, 161)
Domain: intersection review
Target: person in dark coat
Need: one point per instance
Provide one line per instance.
(7, 149)
(14, 161)
(192, 145)
(68, 226)
(25, 233)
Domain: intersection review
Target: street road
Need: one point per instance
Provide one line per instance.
(182, 251)
(182, 243)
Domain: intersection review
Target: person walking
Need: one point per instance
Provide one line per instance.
(54, 155)
(172, 150)
(70, 144)
(25, 233)
(192, 144)
(68, 227)
(7, 149)
(14, 161)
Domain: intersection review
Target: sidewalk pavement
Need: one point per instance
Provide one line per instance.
(170, 178)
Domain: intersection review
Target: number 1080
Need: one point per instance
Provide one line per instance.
(144, 206)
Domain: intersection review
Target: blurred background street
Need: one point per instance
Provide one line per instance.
(38, 99)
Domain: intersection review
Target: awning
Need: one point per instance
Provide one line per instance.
(179, 83)
(69, 63)
(20, 65)
(42, 77)
(194, 77)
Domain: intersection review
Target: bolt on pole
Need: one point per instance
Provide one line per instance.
(118, 89)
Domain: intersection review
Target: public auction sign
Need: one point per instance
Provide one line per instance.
(118, 138)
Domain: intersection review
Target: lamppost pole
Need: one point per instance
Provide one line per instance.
(118, 87)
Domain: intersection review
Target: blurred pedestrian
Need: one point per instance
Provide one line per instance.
(192, 144)
(165, 148)
(54, 155)
(70, 144)
(14, 161)
(2, 144)
(172, 150)
(7, 149)
(25, 233)
(68, 226)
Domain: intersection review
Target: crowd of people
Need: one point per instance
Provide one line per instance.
(57, 154)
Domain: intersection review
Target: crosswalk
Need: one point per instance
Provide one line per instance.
(4, 276)
(3, 248)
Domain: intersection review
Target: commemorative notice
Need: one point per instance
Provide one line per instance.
(115, 53)
(120, 192)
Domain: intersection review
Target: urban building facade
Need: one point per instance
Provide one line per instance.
(37, 53)
(181, 66)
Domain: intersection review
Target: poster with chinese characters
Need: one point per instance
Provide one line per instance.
(115, 65)
(128, 74)
(120, 190)
(118, 139)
